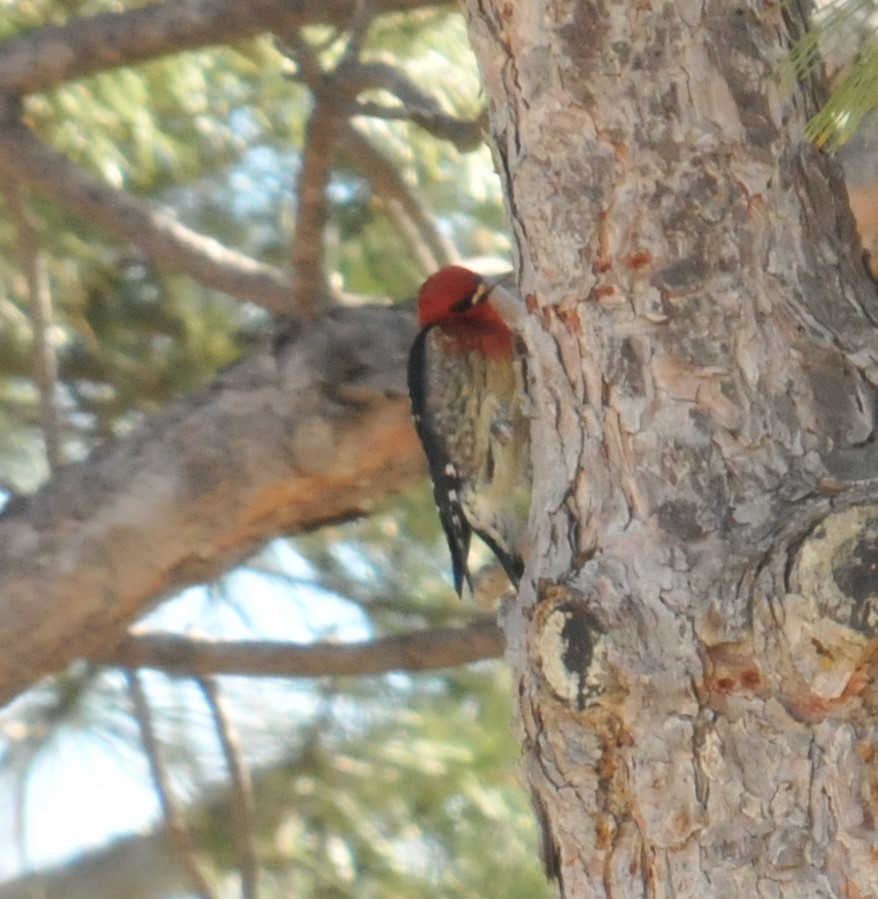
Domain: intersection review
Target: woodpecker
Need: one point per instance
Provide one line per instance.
(466, 382)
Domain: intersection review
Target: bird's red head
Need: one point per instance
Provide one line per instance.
(458, 301)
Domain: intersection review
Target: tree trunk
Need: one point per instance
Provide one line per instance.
(694, 640)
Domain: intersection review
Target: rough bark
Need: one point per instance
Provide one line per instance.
(304, 433)
(694, 641)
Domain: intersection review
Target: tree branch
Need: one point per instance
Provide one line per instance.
(45, 363)
(175, 819)
(307, 252)
(109, 40)
(426, 242)
(314, 431)
(307, 248)
(464, 134)
(312, 213)
(335, 100)
(422, 651)
(417, 106)
(58, 53)
(240, 786)
(140, 866)
(148, 226)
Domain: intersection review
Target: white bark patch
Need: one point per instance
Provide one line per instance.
(836, 570)
(571, 651)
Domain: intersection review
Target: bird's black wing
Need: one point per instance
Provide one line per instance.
(446, 480)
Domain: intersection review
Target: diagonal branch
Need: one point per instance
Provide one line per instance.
(417, 105)
(312, 431)
(426, 241)
(422, 651)
(148, 226)
(466, 135)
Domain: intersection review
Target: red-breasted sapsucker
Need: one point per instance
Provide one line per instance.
(466, 381)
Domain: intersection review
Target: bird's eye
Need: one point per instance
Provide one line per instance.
(462, 305)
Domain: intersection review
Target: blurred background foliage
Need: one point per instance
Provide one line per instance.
(382, 786)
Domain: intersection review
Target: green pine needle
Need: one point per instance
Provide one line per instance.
(841, 30)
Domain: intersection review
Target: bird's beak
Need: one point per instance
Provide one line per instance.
(487, 286)
(502, 280)
(506, 300)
